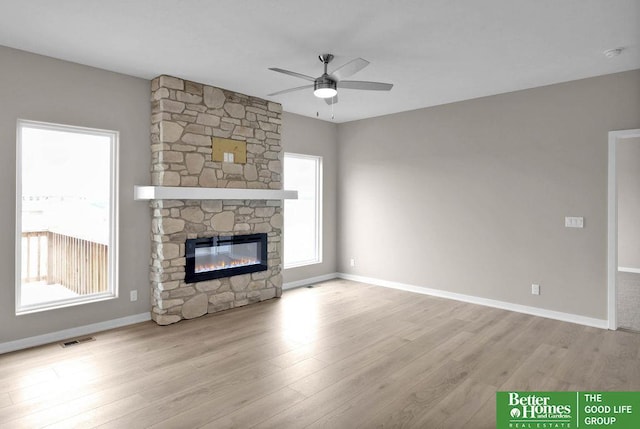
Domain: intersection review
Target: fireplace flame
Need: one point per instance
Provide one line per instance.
(224, 265)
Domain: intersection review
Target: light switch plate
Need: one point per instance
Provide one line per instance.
(574, 222)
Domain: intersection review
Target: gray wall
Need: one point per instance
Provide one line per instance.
(313, 137)
(44, 89)
(471, 197)
(628, 178)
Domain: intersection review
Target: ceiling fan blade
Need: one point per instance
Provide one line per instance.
(332, 100)
(370, 86)
(294, 74)
(284, 91)
(350, 68)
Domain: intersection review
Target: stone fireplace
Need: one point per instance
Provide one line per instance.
(185, 117)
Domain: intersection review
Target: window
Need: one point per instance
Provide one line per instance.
(66, 216)
(303, 217)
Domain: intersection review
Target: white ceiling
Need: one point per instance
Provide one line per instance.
(434, 51)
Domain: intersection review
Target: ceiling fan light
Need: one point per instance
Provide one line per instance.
(324, 88)
(325, 92)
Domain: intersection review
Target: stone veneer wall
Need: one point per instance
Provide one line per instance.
(185, 116)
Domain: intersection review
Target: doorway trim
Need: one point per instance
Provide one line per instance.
(612, 224)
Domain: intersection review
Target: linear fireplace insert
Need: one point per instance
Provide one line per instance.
(216, 257)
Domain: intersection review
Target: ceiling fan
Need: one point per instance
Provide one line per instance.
(326, 86)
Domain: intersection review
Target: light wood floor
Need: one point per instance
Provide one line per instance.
(339, 355)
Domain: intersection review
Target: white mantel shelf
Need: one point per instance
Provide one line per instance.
(193, 193)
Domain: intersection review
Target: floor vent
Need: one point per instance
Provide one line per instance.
(77, 341)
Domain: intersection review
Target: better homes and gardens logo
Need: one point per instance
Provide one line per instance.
(537, 409)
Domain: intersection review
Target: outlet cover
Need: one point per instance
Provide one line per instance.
(535, 289)
(133, 295)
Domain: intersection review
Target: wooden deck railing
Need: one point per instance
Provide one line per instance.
(34, 268)
(77, 264)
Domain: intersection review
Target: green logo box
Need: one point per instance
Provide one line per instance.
(546, 410)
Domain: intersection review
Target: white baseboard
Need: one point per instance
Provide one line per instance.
(534, 311)
(629, 270)
(309, 281)
(52, 337)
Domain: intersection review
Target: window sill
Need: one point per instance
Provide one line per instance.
(53, 305)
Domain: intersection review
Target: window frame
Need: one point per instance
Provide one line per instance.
(319, 200)
(113, 248)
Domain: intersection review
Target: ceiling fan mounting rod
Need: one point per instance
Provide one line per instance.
(325, 59)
